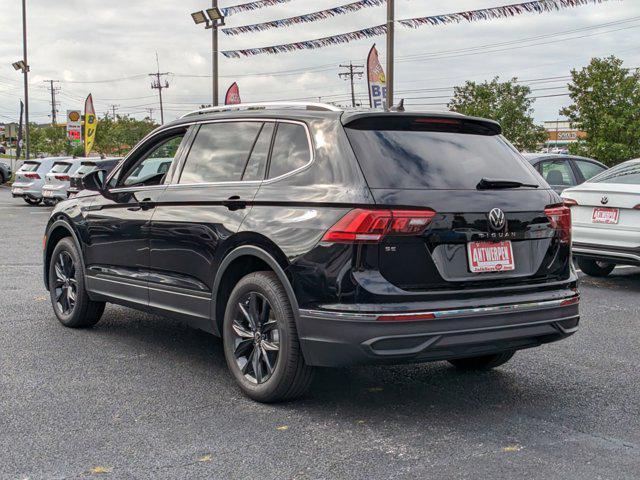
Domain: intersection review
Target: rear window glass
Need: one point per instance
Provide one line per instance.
(628, 173)
(290, 149)
(588, 169)
(29, 166)
(438, 156)
(60, 167)
(86, 168)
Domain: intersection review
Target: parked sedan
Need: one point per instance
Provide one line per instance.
(87, 166)
(57, 180)
(606, 219)
(564, 171)
(30, 178)
(5, 172)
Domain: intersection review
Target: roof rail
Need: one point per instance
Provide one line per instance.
(267, 105)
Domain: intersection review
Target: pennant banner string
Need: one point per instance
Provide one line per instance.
(247, 7)
(506, 11)
(306, 18)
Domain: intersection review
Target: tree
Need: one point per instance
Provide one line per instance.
(507, 103)
(117, 137)
(49, 140)
(606, 105)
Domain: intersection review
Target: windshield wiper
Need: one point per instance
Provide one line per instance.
(491, 183)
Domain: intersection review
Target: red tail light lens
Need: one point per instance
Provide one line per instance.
(369, 226)
(570, 202)
(560, 219)
(62, 177)
(35, 176)
(637, 207)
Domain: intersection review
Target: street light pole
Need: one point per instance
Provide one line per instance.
(214, 60)
(26, 76)
(390, 45)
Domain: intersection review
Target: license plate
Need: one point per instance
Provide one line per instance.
(605, 215)
(18, 191)
(490, 256)
(47, 193)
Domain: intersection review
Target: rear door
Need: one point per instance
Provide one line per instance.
(587, 170)
(558, 173)
(438, 163)
(203, 207)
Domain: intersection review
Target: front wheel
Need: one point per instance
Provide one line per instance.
(595, 268)
(32, 201)
(70, 301)
(486, 362)
(261, 340)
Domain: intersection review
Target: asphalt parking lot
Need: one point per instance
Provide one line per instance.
(146, 397)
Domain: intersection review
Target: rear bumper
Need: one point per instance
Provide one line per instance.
(605, 253)
(331, 339)
(58, 193)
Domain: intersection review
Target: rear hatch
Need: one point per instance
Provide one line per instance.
(58, 176)
(439, 162)
(607, 208)
(75, 182)
(26, 174)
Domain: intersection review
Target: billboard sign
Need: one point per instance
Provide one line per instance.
(74, 126)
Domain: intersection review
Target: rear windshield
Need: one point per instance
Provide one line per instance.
(60, 167)
(628, 173)
(431, 155)
(29, 166)
(86, 168)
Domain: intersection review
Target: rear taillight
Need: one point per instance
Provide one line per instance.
(637, 207)
(34, 176)
(62, 177)
(560, 219)
(570, 202)
(370, 226)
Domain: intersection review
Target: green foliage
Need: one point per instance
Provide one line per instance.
(606, 105)
(505, 102)
(48, 140)
(117, 137)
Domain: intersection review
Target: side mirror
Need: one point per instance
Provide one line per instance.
(94, 181)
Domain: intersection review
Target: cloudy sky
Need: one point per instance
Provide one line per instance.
(108, 48)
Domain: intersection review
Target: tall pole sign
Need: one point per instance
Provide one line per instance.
(391, 19)
(74, 127)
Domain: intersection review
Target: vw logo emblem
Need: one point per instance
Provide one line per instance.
(604, 200)
(497, 220)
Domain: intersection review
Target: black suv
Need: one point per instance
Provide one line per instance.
(311, 236)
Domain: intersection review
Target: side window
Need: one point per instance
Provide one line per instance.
(155, 164)
(258, 160)
(588, 169)
(557, 173)
(220, 152)
(290, 149)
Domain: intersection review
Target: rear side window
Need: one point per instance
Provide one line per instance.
(588, 169)
(220, 152)
(29, 166)
(558, 173)
(60, 167)
(436, 154)
(258, 160)
(627, 173)
(290, 149)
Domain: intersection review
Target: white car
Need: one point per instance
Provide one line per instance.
(605, 213)
(30, 178)
(57, 181)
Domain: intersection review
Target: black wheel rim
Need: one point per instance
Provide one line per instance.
(256, 338)
(65, 283)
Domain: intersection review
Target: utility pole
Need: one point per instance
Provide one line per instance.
(391, 19)
(53, 89)
(150, 112)
(349, 75)
(214, 52)
(113, 111)
(157, 84)
(26, 76)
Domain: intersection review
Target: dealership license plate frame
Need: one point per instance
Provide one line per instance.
(18, 191)
(486, 262)
(602, 219)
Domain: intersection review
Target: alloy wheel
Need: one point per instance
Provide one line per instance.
(65, 283)
(256, 337)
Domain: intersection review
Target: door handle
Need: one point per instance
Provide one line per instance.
(234, 203)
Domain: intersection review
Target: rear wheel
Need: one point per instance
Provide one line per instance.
(50, 202)
(595, 268)
(261, 341)
(32, 201)
(486, 362)
(70, 301)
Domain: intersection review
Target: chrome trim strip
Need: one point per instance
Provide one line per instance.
(137, 189)
(606, 253)
(439, 314)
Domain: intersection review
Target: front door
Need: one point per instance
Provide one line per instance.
(117, 247)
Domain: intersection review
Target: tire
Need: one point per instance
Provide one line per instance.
(2, 179)
(32, 201)
(82, 312)
(595, 268)
(49, 203)
(486, 362)
(290, 376)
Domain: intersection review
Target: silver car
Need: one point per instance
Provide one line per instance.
(30, 178)
(57, 181)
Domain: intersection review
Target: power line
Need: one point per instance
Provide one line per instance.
(53, 89)
(157, 84)
(352, 71)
